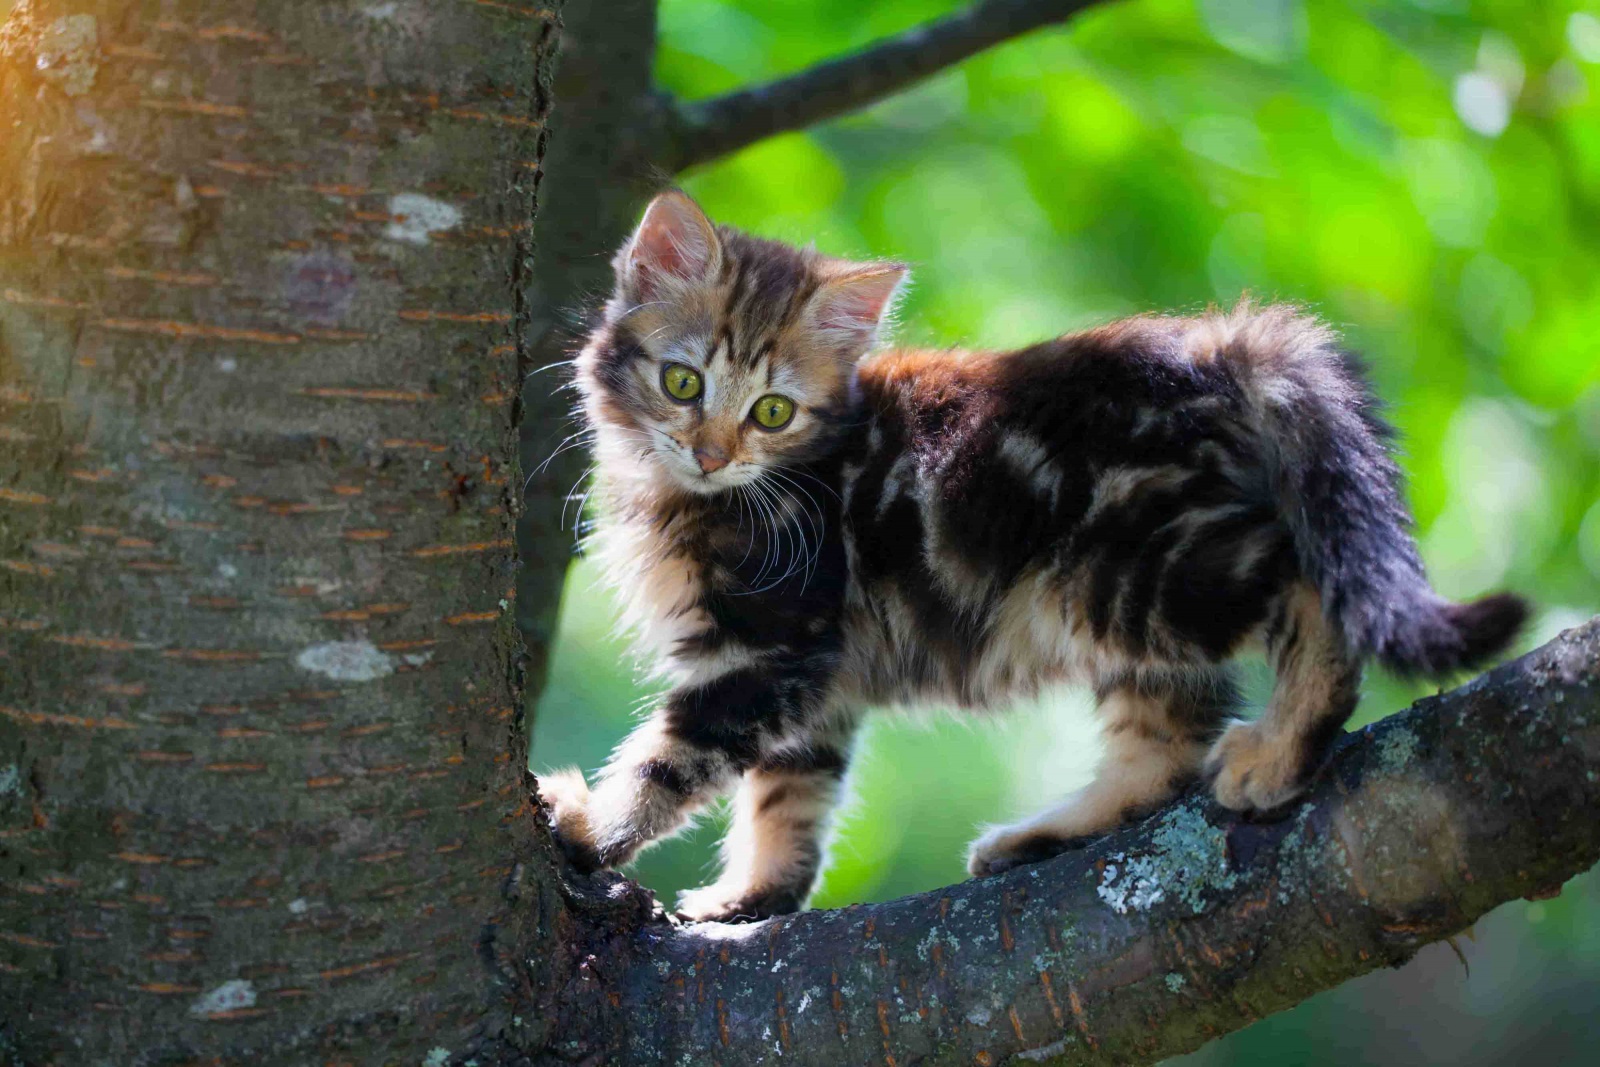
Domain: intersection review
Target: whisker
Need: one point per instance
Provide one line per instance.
(586, 435)
(805, 558)
(770, 541)
(581, 503)
(819, 523)
(641, 307)
(773, 553)
(750, 542)
(803, 473)
(569, 442)
(653, 332)
(550, 366)
(787, 537)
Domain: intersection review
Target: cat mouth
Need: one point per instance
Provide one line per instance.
(708, 483)
(688, 475)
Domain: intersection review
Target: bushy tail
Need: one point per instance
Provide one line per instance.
(1341, 491)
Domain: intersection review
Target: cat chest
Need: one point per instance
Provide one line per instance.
(659, 587)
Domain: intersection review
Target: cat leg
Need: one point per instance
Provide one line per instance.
(773, 850)
(1157, 727)
(1262, 765)
(648, 790)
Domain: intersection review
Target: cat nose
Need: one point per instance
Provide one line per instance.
(711, 458)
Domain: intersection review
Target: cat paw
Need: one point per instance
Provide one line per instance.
(735, 904)
(1003, 847)
(565, 795)
(1250, 771)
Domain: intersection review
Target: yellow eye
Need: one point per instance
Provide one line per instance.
(680, 382)
(773, 411)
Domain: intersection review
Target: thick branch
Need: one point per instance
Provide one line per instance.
(1170, 933)
(711, 128)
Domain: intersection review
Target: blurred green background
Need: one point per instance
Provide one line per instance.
(1425, 174)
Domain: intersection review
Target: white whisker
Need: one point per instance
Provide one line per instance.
(817, 521)
(551, 366)
(641, 307)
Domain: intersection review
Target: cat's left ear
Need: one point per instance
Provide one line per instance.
(850, 305)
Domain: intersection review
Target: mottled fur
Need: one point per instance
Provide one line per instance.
(1127, 507)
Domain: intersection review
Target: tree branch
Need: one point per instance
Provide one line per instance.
(707, 129)
(1167, 934)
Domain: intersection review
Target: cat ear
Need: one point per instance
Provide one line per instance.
(850, 306)
(675, 243)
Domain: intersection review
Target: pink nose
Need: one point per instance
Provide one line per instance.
(711, 458)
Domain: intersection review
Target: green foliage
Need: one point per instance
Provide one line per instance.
(1426, 175)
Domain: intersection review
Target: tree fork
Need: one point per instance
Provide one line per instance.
(1164, 935)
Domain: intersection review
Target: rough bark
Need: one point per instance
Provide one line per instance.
(1165, 935)
(261, 746)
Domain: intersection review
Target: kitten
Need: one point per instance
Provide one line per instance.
(800, 532)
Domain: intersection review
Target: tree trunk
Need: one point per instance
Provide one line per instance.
(261, 746)
(599, 170)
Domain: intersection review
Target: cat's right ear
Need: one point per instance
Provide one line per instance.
(675, 245)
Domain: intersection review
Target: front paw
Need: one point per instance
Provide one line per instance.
(735, 904)
(565, 795)
(1252, 771)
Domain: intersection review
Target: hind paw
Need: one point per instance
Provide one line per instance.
(1005, 847)
(735, 904)
(1252, 771)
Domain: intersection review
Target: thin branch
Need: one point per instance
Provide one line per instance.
(707, 129)
(1163, 936)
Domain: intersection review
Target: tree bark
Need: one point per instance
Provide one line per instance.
(1160, 937)
(261, 738)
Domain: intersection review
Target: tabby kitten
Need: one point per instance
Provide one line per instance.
(800, 532)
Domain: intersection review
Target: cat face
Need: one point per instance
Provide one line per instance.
(723, 357)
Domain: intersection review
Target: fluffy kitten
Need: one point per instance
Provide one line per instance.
(800, 532)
